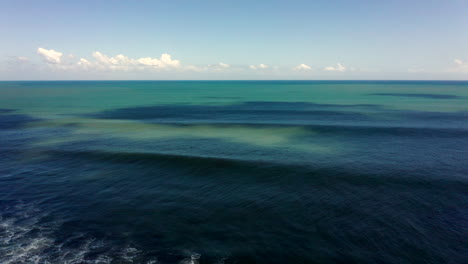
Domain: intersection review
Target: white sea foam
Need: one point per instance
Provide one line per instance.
(24, 239)
(193, 259)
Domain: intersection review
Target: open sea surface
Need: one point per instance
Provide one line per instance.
(233, 172)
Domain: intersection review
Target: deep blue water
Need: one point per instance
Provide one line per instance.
(234, 172)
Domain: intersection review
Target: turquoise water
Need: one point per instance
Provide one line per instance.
(233, 171)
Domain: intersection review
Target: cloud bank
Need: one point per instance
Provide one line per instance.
(104, 62)
(122, 62)
(50, 62)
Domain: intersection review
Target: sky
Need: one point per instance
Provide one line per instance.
(234, 40)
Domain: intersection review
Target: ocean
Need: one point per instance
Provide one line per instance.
(234, 172)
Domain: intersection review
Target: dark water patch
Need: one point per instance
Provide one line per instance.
(13, 121)
(221, 113)
(5, 110)
(434, 116)
(258, 111)
(294, 107)
(420, 95)
(403, 132)
(305, 105)
(299, 113)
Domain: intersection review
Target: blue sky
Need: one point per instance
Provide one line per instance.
(343, 39)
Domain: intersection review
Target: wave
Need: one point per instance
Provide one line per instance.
(275, 170)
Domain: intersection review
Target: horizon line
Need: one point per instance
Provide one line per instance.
(240, 80)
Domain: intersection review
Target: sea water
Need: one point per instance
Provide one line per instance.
(233, 172)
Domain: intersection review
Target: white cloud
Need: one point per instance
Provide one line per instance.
(224, 65)
(302, 67)
(339, 68)
(84, 63)
(50, 56)
(124, 63)
(213, 67)
(99, 61)
(165, 61)
(260, 66)
(461, 66)
(217, 67)
(104, 62)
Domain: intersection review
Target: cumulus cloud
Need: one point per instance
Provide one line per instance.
(224, 65)
(258, 67)
(84, 63)
(100, 61)
(302, 67)
(50, 56)
(339, 68)
(119, 62)
(165, 61)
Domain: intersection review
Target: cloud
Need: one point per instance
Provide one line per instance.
(50, 56)
(302, 67)
(212, 67)
(339, 68)
(224, 65)
(119, 62)
(165, 61)
(460, 66)
(84, 63)
(100, 61)
(258, 67)
(122, 62)
(217, 67)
